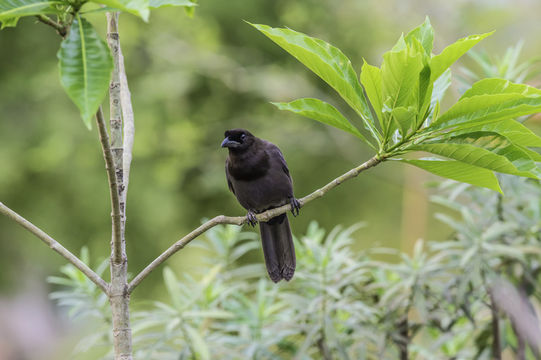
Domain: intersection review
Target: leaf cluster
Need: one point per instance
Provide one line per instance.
(398, 105)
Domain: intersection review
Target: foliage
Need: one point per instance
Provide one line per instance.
(340, 304)
(399, 105)
(84, 59)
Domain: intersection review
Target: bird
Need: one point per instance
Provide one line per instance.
(257, 174)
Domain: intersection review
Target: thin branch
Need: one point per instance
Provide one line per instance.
(113, 187)
(60, 29)
(240, 220)
(56, 246)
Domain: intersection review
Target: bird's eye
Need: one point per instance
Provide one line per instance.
(243, 136)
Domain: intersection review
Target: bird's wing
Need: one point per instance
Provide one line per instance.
(275, 153)
(228, 177)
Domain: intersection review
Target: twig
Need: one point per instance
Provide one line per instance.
(113, 187)
(240, 220)
(56, 246)
(60, 29)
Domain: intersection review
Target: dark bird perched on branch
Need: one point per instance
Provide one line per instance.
(258, 176)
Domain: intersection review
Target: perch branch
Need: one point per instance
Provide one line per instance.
(56, 246)
(240, 220)
(113, 187)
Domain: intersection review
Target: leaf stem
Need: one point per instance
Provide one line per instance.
(61, 29)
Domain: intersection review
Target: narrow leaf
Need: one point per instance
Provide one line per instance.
(322, 112)
(171, 283)
(135, 7)
(198, 344)
(85, 67)
(10, 9)
(452, 53)
(326, 61)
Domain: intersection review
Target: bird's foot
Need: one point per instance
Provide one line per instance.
(295, 206)
(252, 220)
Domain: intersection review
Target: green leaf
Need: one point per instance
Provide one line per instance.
(322, 112)
(10, 9)
(440, 87)
(458, 171)
(499, 86)
(326, 61)
(135, 7)
(371, 80)
(404, 118)
(9, 22)
(511, 129)
(424, 34)
(85, 67)
(484, 149)
(400, 75)
(452, 53)
(154, 4)
(482, 109)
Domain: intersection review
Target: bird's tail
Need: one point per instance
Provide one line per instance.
(278, 248)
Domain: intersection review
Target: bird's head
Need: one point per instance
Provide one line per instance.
(238, 139)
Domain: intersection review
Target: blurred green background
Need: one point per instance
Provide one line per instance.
(191, 79)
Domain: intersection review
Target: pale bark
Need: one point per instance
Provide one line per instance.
(119, 296)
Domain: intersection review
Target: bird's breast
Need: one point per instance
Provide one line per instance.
(249, 169)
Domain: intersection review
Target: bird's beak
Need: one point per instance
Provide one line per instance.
(229, 143)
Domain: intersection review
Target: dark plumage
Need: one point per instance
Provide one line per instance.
(257, 174)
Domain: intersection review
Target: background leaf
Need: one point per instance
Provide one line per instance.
(85, 67)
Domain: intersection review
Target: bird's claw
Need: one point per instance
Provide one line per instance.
(252, 220)
(295, 206)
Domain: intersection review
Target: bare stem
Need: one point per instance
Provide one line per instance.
(113, 187)
(240, 220)
(56, 246)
